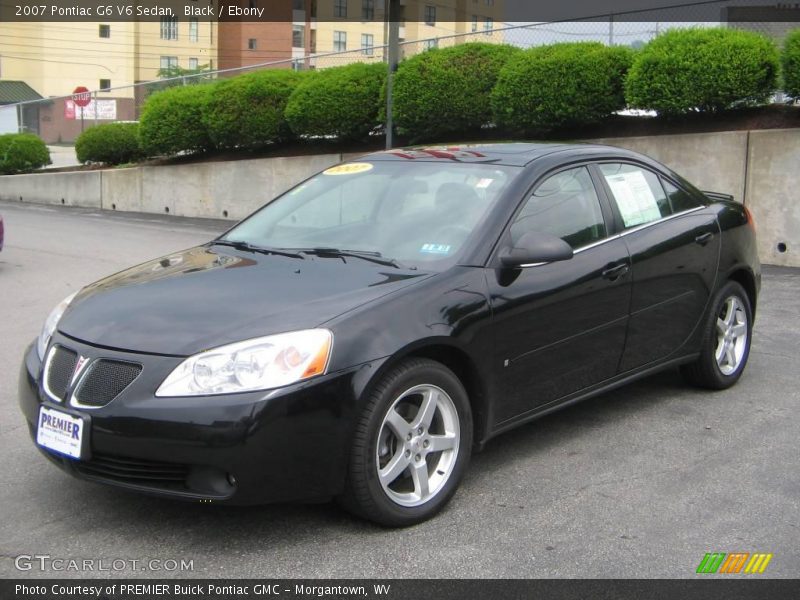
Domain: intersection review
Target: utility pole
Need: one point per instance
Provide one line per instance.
(393, 53)
(611, 29)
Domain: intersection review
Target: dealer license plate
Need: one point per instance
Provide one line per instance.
(60, 432)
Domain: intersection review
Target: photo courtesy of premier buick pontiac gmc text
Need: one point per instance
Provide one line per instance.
(360, 336)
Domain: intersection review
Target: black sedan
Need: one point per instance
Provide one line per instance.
(361, 335)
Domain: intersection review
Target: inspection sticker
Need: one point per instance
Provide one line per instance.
(435, 249)
(349, 169)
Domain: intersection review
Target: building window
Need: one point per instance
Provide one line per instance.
(367, 44)
(252, 44)
(298, 36)
(193, 64)
(367, 10)
(169, 28)
(488, 25)
(339, 41)
(105, 85)
(105, 31)
(428, 44)
(489, 2)
(194, 24)
(430, 15)
(340, 8)
(168, 63)
(474, 23)
(298, 4)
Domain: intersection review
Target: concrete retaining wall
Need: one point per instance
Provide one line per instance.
(82, 188)
(773, 194)
(715, 162)
(759, 168)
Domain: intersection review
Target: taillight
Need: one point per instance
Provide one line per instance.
(749, 216)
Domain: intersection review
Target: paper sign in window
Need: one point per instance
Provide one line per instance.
(635, 199)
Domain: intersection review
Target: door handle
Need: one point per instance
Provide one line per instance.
(614, 273)
(703, 239)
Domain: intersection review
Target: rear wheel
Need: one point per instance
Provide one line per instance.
(411, 445)
(726, 340)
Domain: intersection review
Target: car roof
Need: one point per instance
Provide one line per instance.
(517, 154)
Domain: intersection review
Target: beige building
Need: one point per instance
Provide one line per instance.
(335, 27)
(54, 58)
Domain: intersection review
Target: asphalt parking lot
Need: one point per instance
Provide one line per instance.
(641, 482)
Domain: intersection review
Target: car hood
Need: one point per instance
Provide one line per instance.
(203, 297)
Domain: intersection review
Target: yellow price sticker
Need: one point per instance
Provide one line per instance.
(348, 169)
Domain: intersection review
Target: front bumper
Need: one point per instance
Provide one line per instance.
(283, 445)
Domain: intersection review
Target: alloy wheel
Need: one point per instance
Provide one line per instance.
(417, 445)
(731, 335)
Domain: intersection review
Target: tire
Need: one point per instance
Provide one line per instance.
(420, 474)
(725, 346)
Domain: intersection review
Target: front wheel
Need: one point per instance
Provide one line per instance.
(411, 445)
(726, 340)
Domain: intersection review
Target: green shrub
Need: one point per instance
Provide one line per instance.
(247, 111)
(702, 69)
(112, 144)
(341, 101)
(22, 152)
(172, 121)
(447, 91)
(560, 85)
(791, 63)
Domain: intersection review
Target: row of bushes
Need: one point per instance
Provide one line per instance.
(247, 111)
(791, 64)
(21, 152)
(461, 89)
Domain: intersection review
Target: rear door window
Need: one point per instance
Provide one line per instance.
(637, 192)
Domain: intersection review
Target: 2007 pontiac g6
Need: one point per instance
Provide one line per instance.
(361, 335)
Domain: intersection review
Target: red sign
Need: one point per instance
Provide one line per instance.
(81, 96)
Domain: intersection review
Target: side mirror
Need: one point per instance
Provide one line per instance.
(536, 247)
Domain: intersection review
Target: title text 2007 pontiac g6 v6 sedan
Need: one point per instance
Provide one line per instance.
(358, 337)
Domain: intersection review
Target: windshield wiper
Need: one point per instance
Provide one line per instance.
(248, 247)
(375, 257)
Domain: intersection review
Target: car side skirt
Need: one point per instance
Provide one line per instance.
(596, 390)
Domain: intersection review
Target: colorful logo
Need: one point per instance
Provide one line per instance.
(734, 562)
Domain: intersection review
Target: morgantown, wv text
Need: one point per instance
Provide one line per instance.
(197, 590)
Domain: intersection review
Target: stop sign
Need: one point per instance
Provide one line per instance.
(81, 96)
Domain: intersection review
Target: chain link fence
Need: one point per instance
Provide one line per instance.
(60, 119)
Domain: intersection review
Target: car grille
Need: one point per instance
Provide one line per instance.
(105, 380)
(59, 371)
(135, 471)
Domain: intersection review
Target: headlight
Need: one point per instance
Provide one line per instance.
(50, 325)
(258, 364)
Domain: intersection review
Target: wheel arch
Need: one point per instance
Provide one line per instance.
(445, 352)
(747, 280)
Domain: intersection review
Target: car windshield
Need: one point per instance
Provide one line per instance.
(417, 214)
